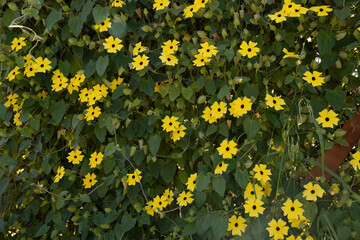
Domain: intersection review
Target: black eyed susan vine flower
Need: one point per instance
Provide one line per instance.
(328, 119)
(160, 4)
(18, 43)
(355, 162)
(277, 229)
(117, 3)
(89, 180)
(237, 225)
(227, 149)
(75, 156)
(313, 191)
(104, 26)
(140, 62)
(240, 106)
(113, 45)
(133, 178)
(191, 182)
(249, 49)
(184, 199)
(314, 78)
(254, 207)
(293, 209)
(221, 168)
(275, 102)
(59, 174)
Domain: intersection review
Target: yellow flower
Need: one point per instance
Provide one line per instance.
(253, 192)
(92, 113)
(295, 223)
(278, 17)
(84, 95)
(208, 115)
(289, 7)
(159, 203)
(240, 106)
(219, 109)
(314, 78)
(42, 95)
(207, 50)
(73, 86)
(116, 83)
(292, 209)
(184, 198)
(356, 161)
(75, 156)
(57, 74)
(103, 89)
(248, 49)
(30, 70)
(160, 4)
(104, 26)
(200, 60)
(11, 100)
(95, 159)
(237, 225)
(112, 45)
(93, 97)
(227, 149)
(170, 124)
(149, 208)
(89, 180)
(11, 76)
(327, 118)
(140, 62)
(261, 173)
(158, 84)
(168, 59)
(138, 49)
(59, 174)
(298, 10)
(275, 102)
(42, 65)
(321, 10)
(334, 189)
(170, 46)
(133, 178)
(80, 78)
(254, 207)
(28, 60)
(200, 3)
(190, 10)
(266, 188)
(169, 196)
(221, 167)
(312, 192)
(278, 229)
(18, 43)
(191, 182)
(17, 122)
(290, 54)
(117, 3)
(178, 133)
(59, 84)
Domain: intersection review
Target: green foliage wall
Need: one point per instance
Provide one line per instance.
(143, 119)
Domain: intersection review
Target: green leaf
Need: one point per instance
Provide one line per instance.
(101, 64)
(168, 170)
(329, 59)
(60, 202)
(223, 91)
(325, 41)
(203, 222)
(75, 24)
(127, 222)
(86, 10)
(336, 98)
(189, 229)
(242, 178)
(229, 54)
(100, 14)
(174, 92)
(148, 86)
(251, 127)
(2, 111)
(6, 160)
(202, 181)
(110, 149)
(84, 198)
(154, 144)
(251, 90)
(20, 61)
(219, 185)
(211, 129)
(100, 133)
(42, 230)
(187, 93)
(35, 123)
(343, 13)
(118, 29)
(58, 110)
(53, 18)
(219, 226)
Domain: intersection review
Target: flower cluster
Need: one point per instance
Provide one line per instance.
(170, 124)
(159, 202)
(168, 49)
(204, 54)
(193, 8)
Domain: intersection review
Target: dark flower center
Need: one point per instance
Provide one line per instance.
(141, 63)
(236, 225)
(261, 172)
(113, 45)
(321, 9)
(313, 78)
(242, 106)
(277, 229)
(290, 6)
(18, 43)
(171, 47)
(274, 101)
(312, 191)
(191, 9)
(185, 198)
(252, 192)
(292, 209)
(161, 4)
(208, 50)
(202, 60)
(30, 69)
(170, 123)
(194, 182)
(227, 149)
(219, 109)
(249, 49)
(160, 203)
(93, 114)
(90, 180)
(220, 164)
(178, 131)
(254, 207)
(133, 176)
(279, 15)
(102, 24)
(168, 59)
(297, 10)
(327, 119)
(42, 65)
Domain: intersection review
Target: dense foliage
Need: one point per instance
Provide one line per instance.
(142, 119)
